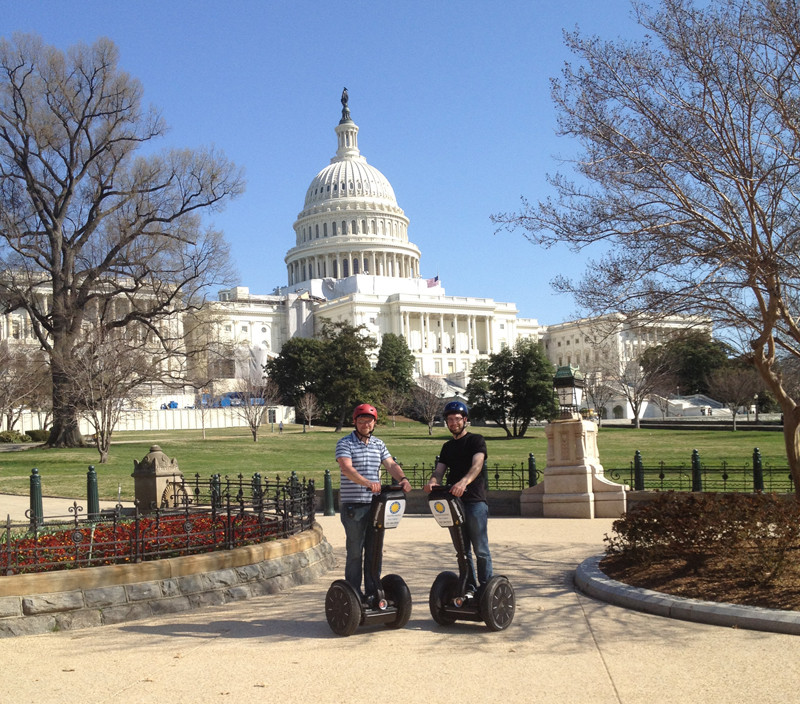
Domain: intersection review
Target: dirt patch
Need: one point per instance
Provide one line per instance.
(713, 584)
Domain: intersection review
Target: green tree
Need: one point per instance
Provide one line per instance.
(396, 362)
(346, 377)
(297, 369)
(688, 173)
(692, 358)
(512, 388)
(92, 231)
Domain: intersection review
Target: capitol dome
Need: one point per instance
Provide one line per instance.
(350, 223)
(348, 177)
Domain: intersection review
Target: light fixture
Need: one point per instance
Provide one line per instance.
(568, 385)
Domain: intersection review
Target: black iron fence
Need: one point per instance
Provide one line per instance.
(696, 475)
(513, 477)
(220, 513)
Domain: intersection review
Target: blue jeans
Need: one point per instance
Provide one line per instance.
(476, 536)
(358, 544)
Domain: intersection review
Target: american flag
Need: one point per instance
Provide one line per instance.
(433, 282)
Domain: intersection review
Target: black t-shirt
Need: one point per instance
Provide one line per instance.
(457, 455)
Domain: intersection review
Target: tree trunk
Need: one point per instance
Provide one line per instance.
(64, 432)
(791, 436)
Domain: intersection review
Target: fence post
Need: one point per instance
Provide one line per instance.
(258, 492)
(216, 491)
(531, 470)
(328, 508)
(36, 512)
(697, 477)
(758, 471)
(92, 497)
(638, 471)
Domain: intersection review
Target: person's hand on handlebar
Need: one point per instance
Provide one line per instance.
(375, 487)
(432, 482)
(459, 488)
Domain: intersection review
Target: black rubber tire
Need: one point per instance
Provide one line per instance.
(443, 591)
(398, 594)
(343, 608)
(497, 603)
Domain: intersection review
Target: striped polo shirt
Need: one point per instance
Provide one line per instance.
(366, 459)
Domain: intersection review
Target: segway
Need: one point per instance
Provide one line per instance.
(450, 598)
(391, 604)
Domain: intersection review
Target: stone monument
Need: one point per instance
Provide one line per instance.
(151, 477)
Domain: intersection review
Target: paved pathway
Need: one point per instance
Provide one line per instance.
(562, 646)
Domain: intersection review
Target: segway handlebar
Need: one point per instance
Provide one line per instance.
(446, 508)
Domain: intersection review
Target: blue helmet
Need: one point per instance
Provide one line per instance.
(455, 407)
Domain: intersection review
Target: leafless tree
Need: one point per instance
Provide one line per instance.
(255, 394)
(735, 387)
(394, 402)
(211, 361)
(24, 376)
(106, 371)
(88, 226)
(689, 170)
(427, 400)
(598, 392)
(637, 380)
(309, 408)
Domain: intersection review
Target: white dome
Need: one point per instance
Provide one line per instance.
(350, 223)
(349, 178)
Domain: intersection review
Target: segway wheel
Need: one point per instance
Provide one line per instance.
(497, 604)
(398, 594)
(343, 608)
(443, 591)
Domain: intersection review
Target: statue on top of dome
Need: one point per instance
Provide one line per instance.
(345, 109)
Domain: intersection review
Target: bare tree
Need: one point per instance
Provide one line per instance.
(637, 380)
(88, 227)
(735, 387)
(23, 377)
(105, 371)
(689, 173)
(254, 395)
(427, 400)
(309, 408)
(394, 402)
(598, 392)
(210, 361)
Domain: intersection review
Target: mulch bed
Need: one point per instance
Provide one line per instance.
(713, 584)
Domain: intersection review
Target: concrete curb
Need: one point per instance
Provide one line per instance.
(590, 580)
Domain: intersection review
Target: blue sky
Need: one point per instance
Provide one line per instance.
(452, 100)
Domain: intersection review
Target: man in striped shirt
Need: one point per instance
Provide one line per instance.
(360, 456)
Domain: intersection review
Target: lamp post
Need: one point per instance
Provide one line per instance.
(573, 485)
(568, 387)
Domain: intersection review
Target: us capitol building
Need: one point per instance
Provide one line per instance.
(352, 261)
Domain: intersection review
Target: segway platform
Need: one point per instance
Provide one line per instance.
(451, 598)
(391, 604)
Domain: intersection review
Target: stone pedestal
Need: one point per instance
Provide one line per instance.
(573, 484)
(151, 477)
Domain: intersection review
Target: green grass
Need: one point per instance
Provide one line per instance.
(232, 451)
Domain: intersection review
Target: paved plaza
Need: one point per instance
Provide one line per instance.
(562, 646)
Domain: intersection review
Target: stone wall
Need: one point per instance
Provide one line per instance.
(96, 596)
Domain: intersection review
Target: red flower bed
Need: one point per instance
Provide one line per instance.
(116, 542)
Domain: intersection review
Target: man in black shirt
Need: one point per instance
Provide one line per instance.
(464, 457)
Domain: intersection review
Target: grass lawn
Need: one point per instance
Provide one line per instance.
(231, 451)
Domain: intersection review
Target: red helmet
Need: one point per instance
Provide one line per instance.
(365, 410)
